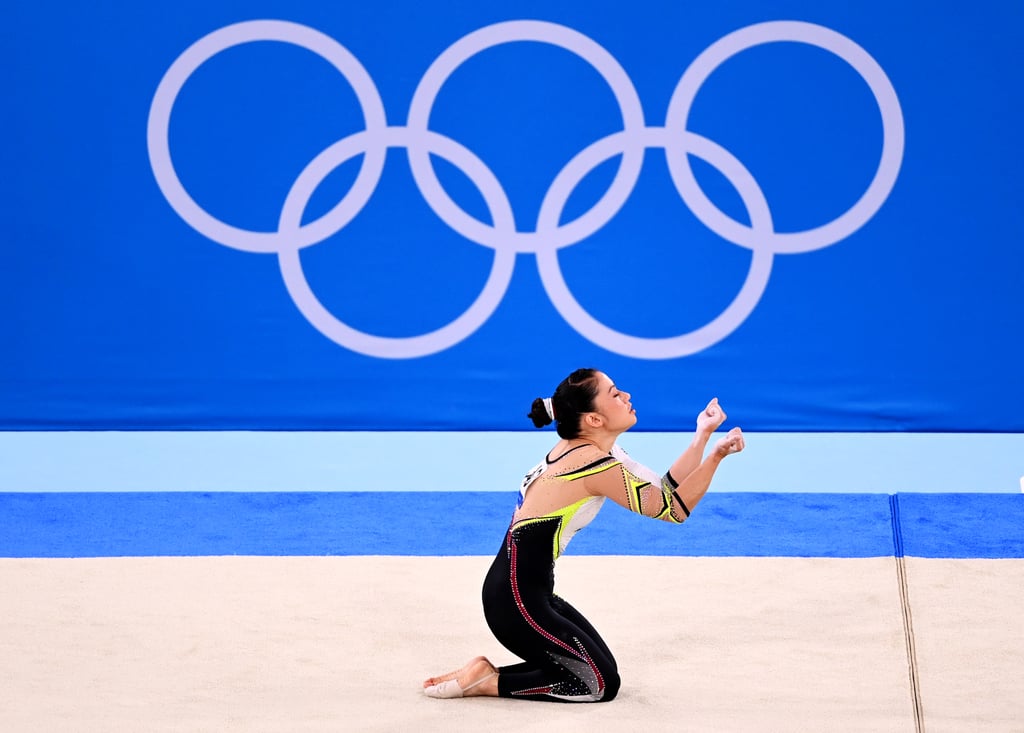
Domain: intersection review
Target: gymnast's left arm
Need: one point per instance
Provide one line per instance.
(664, 497)
(640, 489)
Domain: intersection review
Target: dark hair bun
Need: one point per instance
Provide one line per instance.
(539, 414)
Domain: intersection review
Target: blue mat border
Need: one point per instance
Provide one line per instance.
(129, 524)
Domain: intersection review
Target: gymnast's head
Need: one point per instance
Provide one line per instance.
(584, 402)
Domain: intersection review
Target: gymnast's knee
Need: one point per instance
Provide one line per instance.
(611, 686)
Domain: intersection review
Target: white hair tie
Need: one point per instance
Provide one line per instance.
(549, 408)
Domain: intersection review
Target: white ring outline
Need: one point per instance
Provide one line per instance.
(798, 32)
(408, 346)
(550, 235)
(542, 32)
(158, 139)
(672, 346)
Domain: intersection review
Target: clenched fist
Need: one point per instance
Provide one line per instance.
(731, 443)
(710, 417)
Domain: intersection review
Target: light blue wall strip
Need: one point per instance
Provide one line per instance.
(491, 461)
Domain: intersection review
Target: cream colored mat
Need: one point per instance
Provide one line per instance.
(342, 644)
(968, 618)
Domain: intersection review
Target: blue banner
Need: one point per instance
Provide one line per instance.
(420, 216)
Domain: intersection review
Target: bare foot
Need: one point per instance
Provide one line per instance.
(453, 675)
(477, 677)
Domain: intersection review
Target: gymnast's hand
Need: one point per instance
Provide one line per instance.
(710, 417)
(731, 443)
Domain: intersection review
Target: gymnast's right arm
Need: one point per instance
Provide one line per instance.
(690, 474)
(691, 489)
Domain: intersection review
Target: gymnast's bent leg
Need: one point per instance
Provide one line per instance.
(565, 659)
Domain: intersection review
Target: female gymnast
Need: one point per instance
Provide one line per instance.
(564, 658)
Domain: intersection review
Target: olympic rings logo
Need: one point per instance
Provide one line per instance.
(549, 234)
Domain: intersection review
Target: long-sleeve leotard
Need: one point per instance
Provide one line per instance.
(564, 657)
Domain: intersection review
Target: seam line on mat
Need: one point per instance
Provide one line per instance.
(908, 621)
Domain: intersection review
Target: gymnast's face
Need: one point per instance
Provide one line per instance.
(613, 405)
